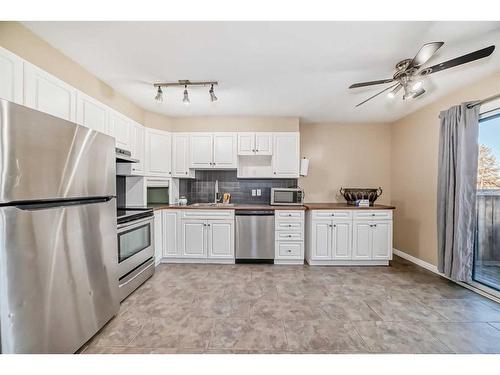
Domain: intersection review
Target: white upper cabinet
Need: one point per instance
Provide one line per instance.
(48, 94)
(180, 156)
(213, 150)
(255, 143)
(121, 129)
(11, 77)
(201, 150)
(91, 113)
(246, 143)
(158, 153)
(224, 155)
(286, 158)
(137, 149)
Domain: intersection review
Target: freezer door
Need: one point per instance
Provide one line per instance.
(59, 279)
(45, 157)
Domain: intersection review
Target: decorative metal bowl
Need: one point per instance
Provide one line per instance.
(351, 195)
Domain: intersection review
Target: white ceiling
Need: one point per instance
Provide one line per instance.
(300, 69)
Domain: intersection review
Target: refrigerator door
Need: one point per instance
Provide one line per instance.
(44, 157)
(58, 275)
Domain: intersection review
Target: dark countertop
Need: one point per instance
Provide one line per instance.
(306, 206)
(345, 206)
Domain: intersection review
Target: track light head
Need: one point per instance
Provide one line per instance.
(159, 95)
(185, 99)
(213, 98)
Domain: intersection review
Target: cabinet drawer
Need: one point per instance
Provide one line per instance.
(288, 236)
(208, 214)
(289, 249)
(373, 215)
(336, 214)
(288, 214)
(289, 225)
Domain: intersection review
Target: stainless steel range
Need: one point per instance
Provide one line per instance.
(136, 251)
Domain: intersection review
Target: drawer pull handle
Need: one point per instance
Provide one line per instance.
(289, 225)
(289, 251)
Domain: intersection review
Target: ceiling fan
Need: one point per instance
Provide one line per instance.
(409, 72)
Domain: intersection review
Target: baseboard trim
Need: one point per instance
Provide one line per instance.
(433, 268)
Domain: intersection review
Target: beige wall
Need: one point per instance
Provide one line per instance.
(345, 155)
(414, 170)
(21, 41)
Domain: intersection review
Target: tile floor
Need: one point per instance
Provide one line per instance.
(293, 309)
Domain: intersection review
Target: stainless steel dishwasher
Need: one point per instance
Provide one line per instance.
(254, 236)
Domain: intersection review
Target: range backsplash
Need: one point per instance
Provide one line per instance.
(201, 189)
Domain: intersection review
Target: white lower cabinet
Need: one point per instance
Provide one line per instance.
(289, 237)
(220, 239)
(339, 237)
(193, 237)
(158, 236)
(171, 233)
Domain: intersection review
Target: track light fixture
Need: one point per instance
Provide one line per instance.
(185, 83)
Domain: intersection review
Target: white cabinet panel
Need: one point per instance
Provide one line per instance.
(246, 143)
(321, 240)
(171, 232)
(138, 147)
(91, 113)
(11, 77)
(193, 239)
(341, 240)
(289, 249)
(158, 153)
(201, 150)
(362, 241)
(120, 128)
(382, 240)
(220, 239)
(224, 153)
(180, 156)
(264, 143)
(48, 94)
(286, 155)
(158, 236)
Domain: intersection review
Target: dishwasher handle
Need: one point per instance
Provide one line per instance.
(254, 212)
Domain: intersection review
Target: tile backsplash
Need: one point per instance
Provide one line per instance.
(201, 189)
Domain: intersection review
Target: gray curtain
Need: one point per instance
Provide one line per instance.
(457, 178)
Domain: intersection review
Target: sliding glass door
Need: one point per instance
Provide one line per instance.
(487, 244)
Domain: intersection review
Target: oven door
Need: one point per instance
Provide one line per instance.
(135, 244)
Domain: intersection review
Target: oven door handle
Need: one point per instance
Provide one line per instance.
(131, 224)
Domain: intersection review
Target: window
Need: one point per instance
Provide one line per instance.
(487, 245)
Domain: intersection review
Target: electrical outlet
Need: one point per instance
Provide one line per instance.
(259, 192)
(254, 193)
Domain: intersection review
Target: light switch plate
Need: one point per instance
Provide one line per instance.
(253, 193)
(259, 192)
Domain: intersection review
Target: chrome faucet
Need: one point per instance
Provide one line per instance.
(216, 193)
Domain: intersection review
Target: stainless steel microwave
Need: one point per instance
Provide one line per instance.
(287, 196)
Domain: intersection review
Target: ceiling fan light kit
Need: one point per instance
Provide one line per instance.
(409, 72)
(186, 83)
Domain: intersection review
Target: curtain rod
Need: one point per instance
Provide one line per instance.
(479, 102)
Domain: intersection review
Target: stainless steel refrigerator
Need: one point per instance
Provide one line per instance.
(58, 239)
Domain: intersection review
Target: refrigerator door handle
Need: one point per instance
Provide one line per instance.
(46, 204)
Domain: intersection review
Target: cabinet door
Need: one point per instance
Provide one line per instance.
(246, 143)
(224, 151)
(362, 241)
(138, 141)
(286, 155)
(48, 94)
(11, 77)
(121, 128)
(321, 240)
(341, 240)
(264, 143)
(180, 156)
(91, 113)
(382, 240)
(221, 239)
(158, 153)
(201, 150)
(170, 234)
(193, 239)
(158, 236)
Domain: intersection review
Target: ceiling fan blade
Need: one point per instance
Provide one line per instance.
(377, 94)
(370, 83)
(425, 53)
(479, 54)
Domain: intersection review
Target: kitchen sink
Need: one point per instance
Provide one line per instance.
(212, 205)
